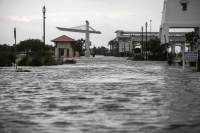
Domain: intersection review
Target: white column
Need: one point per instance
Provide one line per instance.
(65, 53)
(87, 40)
(57, 53)
(165, 34)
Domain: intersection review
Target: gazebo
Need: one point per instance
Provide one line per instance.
(64, 48)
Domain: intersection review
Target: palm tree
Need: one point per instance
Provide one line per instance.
(114, 46)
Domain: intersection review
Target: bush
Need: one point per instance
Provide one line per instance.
(7, 56)
(192, 64)
(70, 62)
(170, 60)
(24, 62)
(180, 63)
(49, 60)
(36, 61)
(136, 58)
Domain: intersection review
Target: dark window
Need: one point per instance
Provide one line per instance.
(184, 6)
(61, 52)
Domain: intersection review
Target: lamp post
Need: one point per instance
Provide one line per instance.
(44, 17)
(150, 26)
(142, 46)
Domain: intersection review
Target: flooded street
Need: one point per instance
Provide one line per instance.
(100, 95)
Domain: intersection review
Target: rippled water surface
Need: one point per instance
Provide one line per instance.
(103, 95)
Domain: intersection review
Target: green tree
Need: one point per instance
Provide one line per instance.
(156, 51)
(114, 47)
(34, 45)
(37, 54)
(7, 56)
(79, 46)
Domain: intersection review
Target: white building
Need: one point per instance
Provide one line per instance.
(64, 48)
(179, 14)
(129, 40)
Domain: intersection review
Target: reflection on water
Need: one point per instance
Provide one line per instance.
(104, 94)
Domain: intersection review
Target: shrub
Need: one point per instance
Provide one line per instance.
(192, 64)
(170, 60)
(36, 61)
(70, 62)
(24, 62)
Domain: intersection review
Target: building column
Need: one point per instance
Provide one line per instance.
(57, 53)
(65, 53)
(173, 45)
(77, 54)
(183, 55)
(71, 53)
(165, 35)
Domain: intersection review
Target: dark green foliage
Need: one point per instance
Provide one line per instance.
(170, 60)
(33, 44)
(137, 50)
(37, 54)
(36, 61)
(198, 66)
(192, 38)
(70, 62)
(24, 62)
(79, 46)
(156, 51)
(192, 64)
(7, 56)
(114, 47)
(180, 63)
(136, 57)
(100, 50)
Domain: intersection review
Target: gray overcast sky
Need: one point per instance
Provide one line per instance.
(104, 15)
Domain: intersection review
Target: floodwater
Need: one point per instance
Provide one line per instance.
(100, 95)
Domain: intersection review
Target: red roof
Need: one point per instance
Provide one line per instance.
(63, 38)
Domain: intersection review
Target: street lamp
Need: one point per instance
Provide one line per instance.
(150, 26)
(44, 17)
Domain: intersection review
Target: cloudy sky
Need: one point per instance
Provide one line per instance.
(104, 15)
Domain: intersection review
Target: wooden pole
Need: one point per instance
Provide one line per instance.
(142, 45)
(15, 47)
(146, 25)
(44, 17)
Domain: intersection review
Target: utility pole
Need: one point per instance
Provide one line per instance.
(142, 45)
(15, 47)
(146, 25)
(44, 17)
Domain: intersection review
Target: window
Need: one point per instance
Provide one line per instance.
(184, 6)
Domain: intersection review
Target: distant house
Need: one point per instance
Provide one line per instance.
(64, 48)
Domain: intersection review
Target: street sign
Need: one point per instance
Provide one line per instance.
(191, 56)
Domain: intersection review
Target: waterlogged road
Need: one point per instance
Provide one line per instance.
(100, 95)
